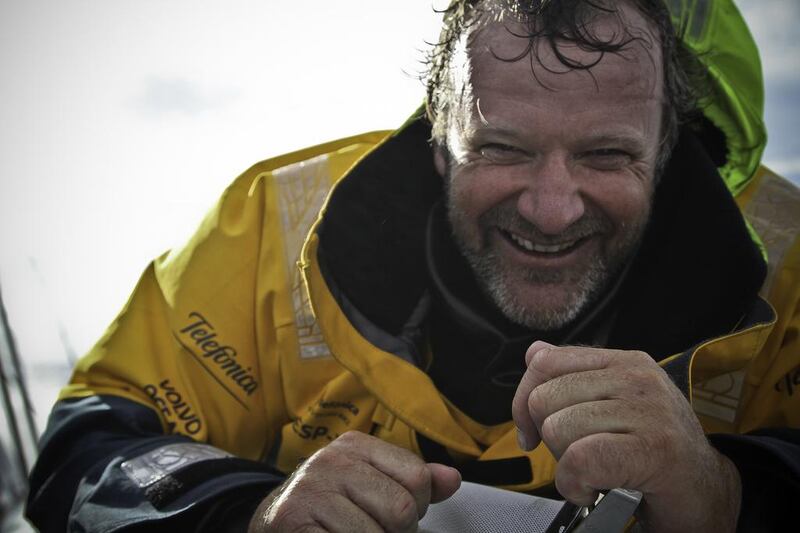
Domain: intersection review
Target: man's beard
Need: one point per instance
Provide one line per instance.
(588, 284)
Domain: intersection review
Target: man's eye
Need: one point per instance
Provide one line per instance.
(501, 153)
(607, 158)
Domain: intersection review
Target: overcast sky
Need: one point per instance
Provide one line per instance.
(122, 121)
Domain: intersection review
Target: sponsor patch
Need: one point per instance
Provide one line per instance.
(157, 464)
(789, 382)
(181, 418)
(210, 352)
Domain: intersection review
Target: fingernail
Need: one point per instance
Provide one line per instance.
(522, 441)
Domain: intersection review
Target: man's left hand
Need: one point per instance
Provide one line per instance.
(613, 419)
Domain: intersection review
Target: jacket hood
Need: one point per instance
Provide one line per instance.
(717, 34)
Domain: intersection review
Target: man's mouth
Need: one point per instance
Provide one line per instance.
(529, 246)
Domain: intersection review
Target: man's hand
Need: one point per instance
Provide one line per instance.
(356, 483)
(614, 419)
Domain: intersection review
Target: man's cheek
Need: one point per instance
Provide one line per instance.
(463, 218)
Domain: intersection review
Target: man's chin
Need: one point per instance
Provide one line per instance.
(540, 307)
(539, 299)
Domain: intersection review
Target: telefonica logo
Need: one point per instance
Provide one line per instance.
(204, 337)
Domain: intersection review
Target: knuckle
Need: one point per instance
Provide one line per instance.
(550, 433)
(325, 458)
(306, 487)
(577, 458)
(537, 402)
(652, 377)
(322, 467)
(642, 382)
(540, 361)
(404, 513)
(350, 437)
(344, 450)
(519, 404)
(285, 517)
(419, 477)
(641, 357)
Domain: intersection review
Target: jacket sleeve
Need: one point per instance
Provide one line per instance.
(767, 455)
(106, 465)
(167, 420)
(768, 461)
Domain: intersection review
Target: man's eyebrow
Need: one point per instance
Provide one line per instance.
(624, 139)
(633, 140)
(484, 129)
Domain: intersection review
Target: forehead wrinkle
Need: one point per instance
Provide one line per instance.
(501, 109)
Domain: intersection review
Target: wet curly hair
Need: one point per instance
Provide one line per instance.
(555, 22)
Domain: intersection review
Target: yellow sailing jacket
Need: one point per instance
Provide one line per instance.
(240, 338)
(237, 339)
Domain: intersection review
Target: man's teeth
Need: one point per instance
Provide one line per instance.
(541, 248)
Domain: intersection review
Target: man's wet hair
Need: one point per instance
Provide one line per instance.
(558, 22)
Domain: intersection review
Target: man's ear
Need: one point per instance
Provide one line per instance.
(440, 158)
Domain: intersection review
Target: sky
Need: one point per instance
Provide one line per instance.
(121, 122)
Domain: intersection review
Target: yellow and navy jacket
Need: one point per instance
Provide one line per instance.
(322, 294)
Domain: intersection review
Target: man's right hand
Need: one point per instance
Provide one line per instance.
(356, 483)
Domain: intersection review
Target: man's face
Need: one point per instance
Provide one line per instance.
(550, 178)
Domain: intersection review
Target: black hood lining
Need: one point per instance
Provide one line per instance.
(698, 272)
(372, 237)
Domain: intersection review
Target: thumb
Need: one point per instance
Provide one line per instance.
(445, 481)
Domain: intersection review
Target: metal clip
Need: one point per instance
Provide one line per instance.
(611, 514)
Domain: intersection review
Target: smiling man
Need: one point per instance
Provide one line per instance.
(554, 281)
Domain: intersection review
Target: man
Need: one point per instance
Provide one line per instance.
(531, 301)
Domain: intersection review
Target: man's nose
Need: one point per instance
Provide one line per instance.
(551, 199)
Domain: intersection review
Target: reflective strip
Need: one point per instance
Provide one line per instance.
(719, 397)
(302, 189)
(157, 464)
(700, 14)
(774, 212)
(690, 14)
